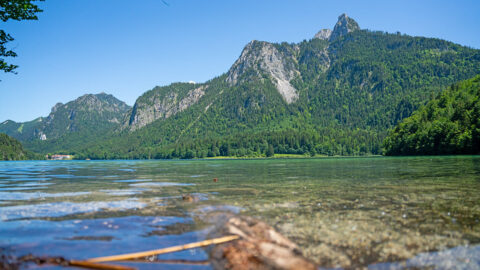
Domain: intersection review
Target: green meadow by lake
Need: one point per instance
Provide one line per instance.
(342, 212)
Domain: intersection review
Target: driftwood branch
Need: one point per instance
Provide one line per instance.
(260, 247)
(172, 261)
(92, 265)
(136, 255)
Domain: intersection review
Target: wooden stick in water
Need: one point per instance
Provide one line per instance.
(188, 262)
(92, 265)
(130, 256)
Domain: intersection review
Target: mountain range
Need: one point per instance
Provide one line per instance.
(335, 94)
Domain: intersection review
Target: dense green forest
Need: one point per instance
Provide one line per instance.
(449, 124)
(11, 149)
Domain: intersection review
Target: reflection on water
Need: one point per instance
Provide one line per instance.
(161, 184)
(64, 208)
(122, 192)
(342, 212)
(132, 180)
(20, 196)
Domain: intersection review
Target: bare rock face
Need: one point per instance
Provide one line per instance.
(323, 34)
(343, 26)
(264, 58)
(162, 106)
(260, 58)
(260, 247)
(56, 106)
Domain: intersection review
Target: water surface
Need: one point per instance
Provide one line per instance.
(343, 212)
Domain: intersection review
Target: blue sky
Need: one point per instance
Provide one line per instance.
(125, 47)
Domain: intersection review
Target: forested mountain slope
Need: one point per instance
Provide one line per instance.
(69, 125)
(336, 94)
(449, 124)
(11, 149)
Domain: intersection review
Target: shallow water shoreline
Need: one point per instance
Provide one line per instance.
(342, 212)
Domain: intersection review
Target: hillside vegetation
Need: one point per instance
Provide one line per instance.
(11, 149)
(449, 124)
(86, 119)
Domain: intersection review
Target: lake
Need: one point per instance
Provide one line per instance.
(384, 213)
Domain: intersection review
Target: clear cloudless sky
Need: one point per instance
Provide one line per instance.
(126, 47)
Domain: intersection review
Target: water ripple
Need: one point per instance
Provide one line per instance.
(64, 208)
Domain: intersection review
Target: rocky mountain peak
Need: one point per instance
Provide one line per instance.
(344, 26)
(323, 34)
(264, 58)
(96, 102)
(56, 106)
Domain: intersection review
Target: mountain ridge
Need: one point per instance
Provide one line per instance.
(263, 57)
(332, 95)
(88, 114)
(347, 92)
